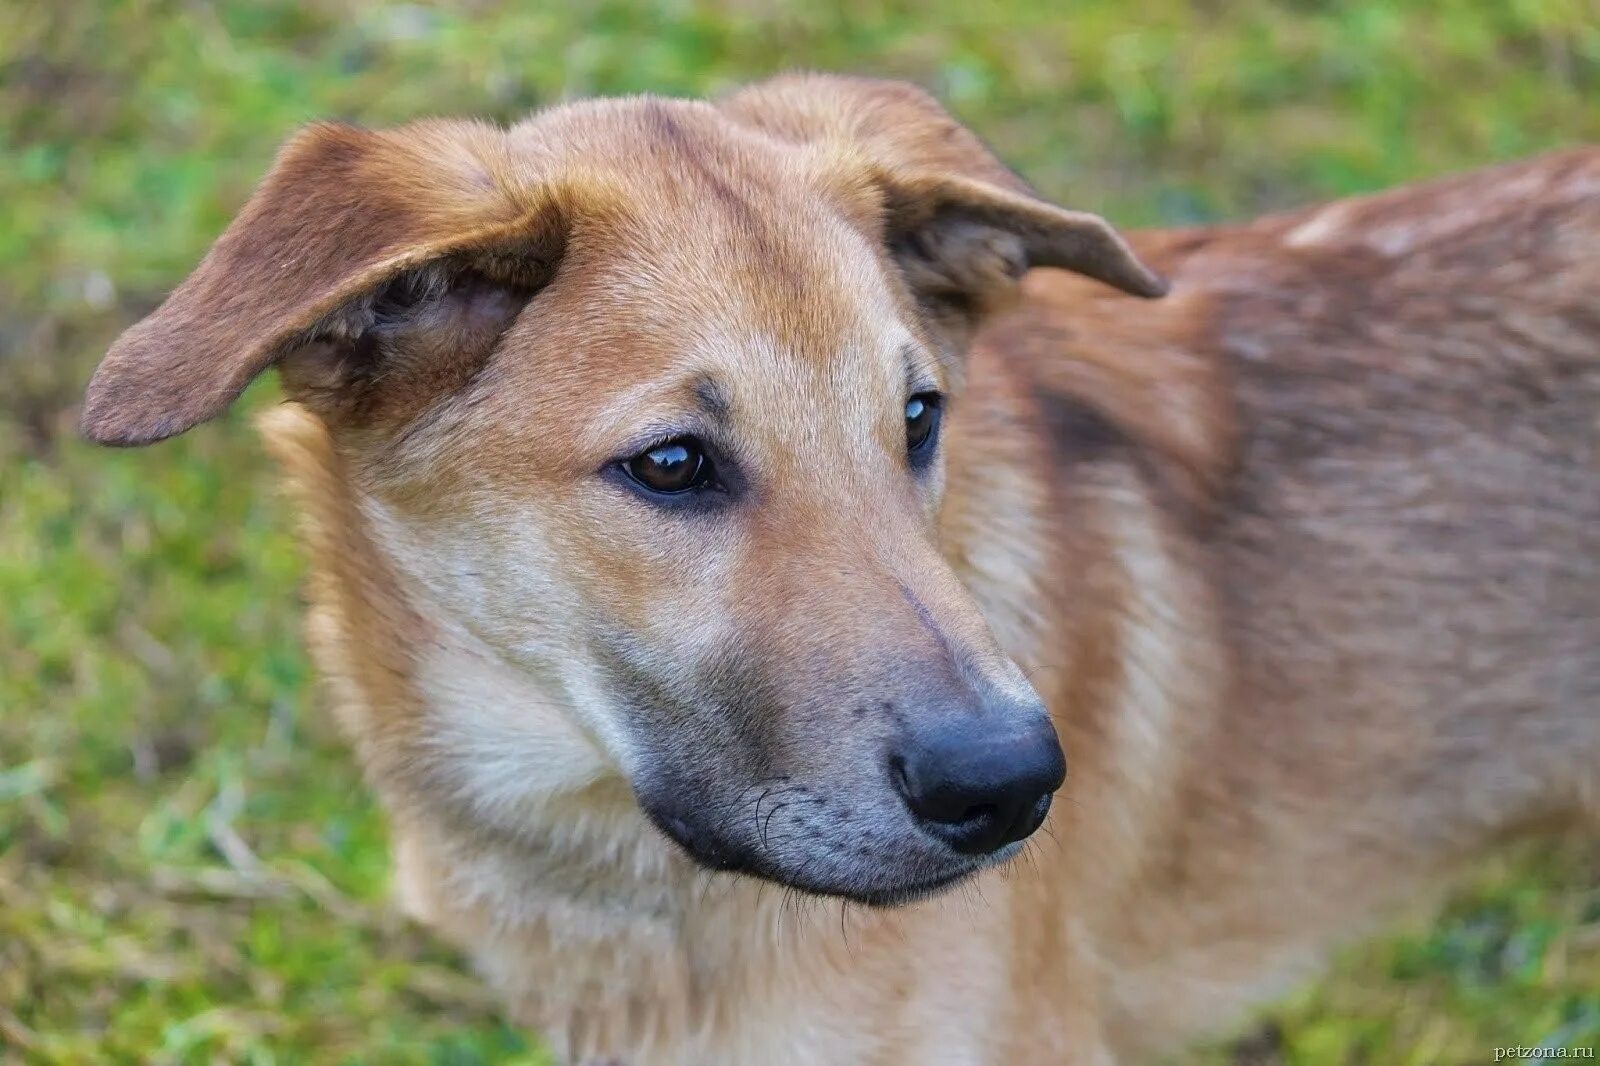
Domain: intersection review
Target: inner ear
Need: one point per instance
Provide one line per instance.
(395, 352)
(958, 269)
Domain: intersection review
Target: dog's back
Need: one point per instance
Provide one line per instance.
(1375, 427)
(1411, 543)
(1423, 387)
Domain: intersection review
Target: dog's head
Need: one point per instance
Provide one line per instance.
(647, 396)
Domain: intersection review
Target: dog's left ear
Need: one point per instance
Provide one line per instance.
(963, 244)
(961, 225)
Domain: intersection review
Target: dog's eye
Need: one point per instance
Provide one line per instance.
(922, 422)
(673, 467)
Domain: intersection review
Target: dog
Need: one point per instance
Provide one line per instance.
(717, 509)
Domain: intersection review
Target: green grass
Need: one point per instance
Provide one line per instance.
(190, 869)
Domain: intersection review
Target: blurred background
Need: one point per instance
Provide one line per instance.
(190, 870)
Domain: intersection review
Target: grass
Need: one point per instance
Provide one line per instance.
(190, 870)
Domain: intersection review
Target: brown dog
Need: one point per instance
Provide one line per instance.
(646, 575)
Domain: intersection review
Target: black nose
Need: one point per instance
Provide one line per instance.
(979, 780)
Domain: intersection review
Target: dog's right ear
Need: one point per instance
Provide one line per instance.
(351, 230)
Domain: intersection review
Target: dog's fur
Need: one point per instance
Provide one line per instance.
(1302, 558)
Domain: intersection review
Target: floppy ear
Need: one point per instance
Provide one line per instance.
(349, 228)
(963, 227)
(963, 244)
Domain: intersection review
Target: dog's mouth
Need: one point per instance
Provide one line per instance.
(703, 848)
(901, 895)
(882, 890)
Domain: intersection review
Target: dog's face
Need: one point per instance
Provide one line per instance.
(647, 397)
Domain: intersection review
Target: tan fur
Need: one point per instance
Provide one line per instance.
(1301, 558)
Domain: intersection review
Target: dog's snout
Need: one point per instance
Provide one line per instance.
(979, 780)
